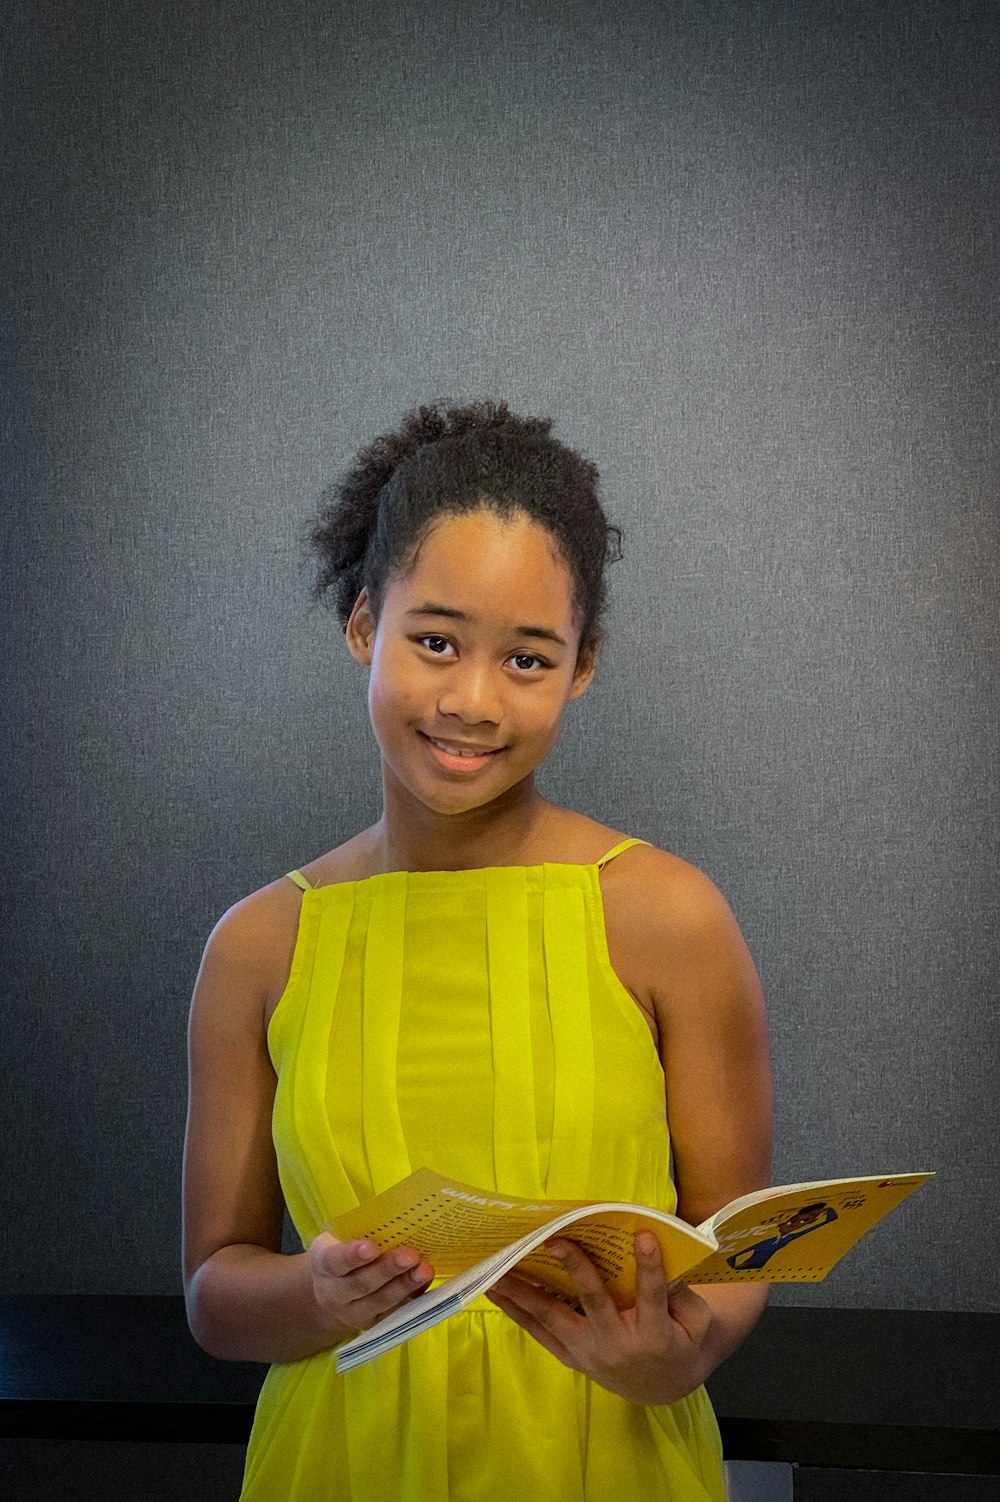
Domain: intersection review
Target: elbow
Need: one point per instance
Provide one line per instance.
(203, 1323)
(207, 1338)
(200, 1327)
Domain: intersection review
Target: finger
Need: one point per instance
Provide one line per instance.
(362, 1271)
(392, 1295)
(595, 1301)
(399, 1271)
(335, 1259)
(405, 1267)
(534, 1327)
(549, 1310)
(363, 1308)
(651, 1289)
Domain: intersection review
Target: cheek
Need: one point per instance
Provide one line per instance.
(392, 693)
(383, 706)
(540, 712)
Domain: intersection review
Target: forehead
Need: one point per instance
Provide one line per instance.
(492, 567)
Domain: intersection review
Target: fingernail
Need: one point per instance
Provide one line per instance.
(406, 1259)
(559, 1252)
(646, 1242)
(419, 1276)
(366, 1249)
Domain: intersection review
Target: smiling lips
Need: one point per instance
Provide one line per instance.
(455, 756)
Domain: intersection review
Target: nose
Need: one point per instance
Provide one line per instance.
(471, 695)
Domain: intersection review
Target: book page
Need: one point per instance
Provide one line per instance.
(455, 1226)
(798, 1233)
(608, 1238)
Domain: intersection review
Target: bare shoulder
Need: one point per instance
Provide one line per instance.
(674, 940)
(249, 951)
(253, 943)
(652, 888)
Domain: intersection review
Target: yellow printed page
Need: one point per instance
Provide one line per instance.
(797, 1235)
(455, 1226)
(608, 1238)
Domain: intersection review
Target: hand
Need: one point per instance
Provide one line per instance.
(653, 1352)
(356, 1285)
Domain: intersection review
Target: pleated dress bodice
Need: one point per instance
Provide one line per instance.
(468, 1021)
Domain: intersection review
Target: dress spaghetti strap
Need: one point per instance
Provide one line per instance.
(625, 844)
(299, 880)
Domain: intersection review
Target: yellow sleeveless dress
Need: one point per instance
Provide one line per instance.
(469, 1021)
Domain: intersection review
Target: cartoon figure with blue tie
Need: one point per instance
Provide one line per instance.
(809, 1218)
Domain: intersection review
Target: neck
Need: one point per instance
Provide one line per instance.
(411, 837)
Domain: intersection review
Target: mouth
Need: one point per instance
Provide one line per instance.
(457, 756)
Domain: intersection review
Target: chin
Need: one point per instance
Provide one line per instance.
(457, 800)
(461, 801)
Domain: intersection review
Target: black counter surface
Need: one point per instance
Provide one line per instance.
(870, 1389)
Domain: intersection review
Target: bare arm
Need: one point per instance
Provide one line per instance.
(713, 1046)
(245, 1299)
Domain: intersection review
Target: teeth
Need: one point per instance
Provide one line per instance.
(455, 750)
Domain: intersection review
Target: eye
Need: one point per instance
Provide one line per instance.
(530, 659)
(435, 644)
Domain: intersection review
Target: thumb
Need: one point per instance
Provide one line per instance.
(323, 1251)
(327, 1256)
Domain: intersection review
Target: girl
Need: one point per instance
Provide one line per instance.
(486, 983)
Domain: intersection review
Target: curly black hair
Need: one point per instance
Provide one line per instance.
(448, 461)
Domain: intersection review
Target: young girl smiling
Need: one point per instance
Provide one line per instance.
(485, 983)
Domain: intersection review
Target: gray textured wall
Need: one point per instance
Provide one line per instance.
(746, 255)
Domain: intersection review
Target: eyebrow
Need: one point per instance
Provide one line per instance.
(541, 632)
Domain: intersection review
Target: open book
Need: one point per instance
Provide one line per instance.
(471, 1237)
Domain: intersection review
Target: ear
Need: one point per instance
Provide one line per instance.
(583, 673)
(360, 630)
